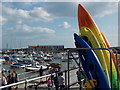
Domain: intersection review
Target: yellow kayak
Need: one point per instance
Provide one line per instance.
(108, 45)
(86, 33)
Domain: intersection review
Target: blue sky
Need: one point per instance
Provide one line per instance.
(53, 23)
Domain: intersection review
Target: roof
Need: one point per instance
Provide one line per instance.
(45, 45)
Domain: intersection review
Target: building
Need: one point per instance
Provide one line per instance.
(16, 50)
(117, 49)
(47, 48)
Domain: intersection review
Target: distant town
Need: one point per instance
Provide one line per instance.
(44, 49)
(37, 49)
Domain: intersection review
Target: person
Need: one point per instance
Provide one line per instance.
(4, 80)
(9, 79)
(61, 80)
(41, 71)
(80, 76)
(49, 83)
(56, 70)
(52, 79)
(47, 71)
(15, 77)
(51, 70)
(56, 83)
(59, 69)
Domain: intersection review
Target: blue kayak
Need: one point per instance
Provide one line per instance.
(91, 65)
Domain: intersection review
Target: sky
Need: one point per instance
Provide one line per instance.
(53, 23)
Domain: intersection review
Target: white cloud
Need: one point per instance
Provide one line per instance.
(97, 9)
(27, 34)
(68, 9)
(2, 20)
(40, 14)
(29, 29)
(45, 12)
(108, 9)
(65, 25)
(51, 11)
(101, 9)
(21, 16)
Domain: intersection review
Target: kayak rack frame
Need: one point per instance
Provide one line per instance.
(69, 50)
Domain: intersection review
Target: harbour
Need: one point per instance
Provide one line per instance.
(58, 46)
(64, 67)
(29, 75)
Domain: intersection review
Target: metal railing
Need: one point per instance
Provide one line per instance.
(37, 78)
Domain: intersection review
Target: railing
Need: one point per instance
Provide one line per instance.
(28, 76)
(37, 78)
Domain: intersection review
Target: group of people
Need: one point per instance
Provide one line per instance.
(56, 80)
(48, 71)
(12, 77)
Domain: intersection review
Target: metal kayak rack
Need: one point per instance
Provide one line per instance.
(70, 50)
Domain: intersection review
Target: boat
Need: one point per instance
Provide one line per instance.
(17, 65)
(27, 64)
(64, 56)
(47, 58)
(36, 69)
(20, 65)
(12, 61)
(27, 59)
(39, 60)
(55, 65)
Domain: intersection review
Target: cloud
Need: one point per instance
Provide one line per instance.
(50, 11)
(69, 9)
(2, 20)
(62, 9)
(25, 19)
(65, 25)
(40, 14)
(29, 29)
(18, 16)
(28, 35)
(101, 9)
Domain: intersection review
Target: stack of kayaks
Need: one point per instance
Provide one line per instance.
(96, 63)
